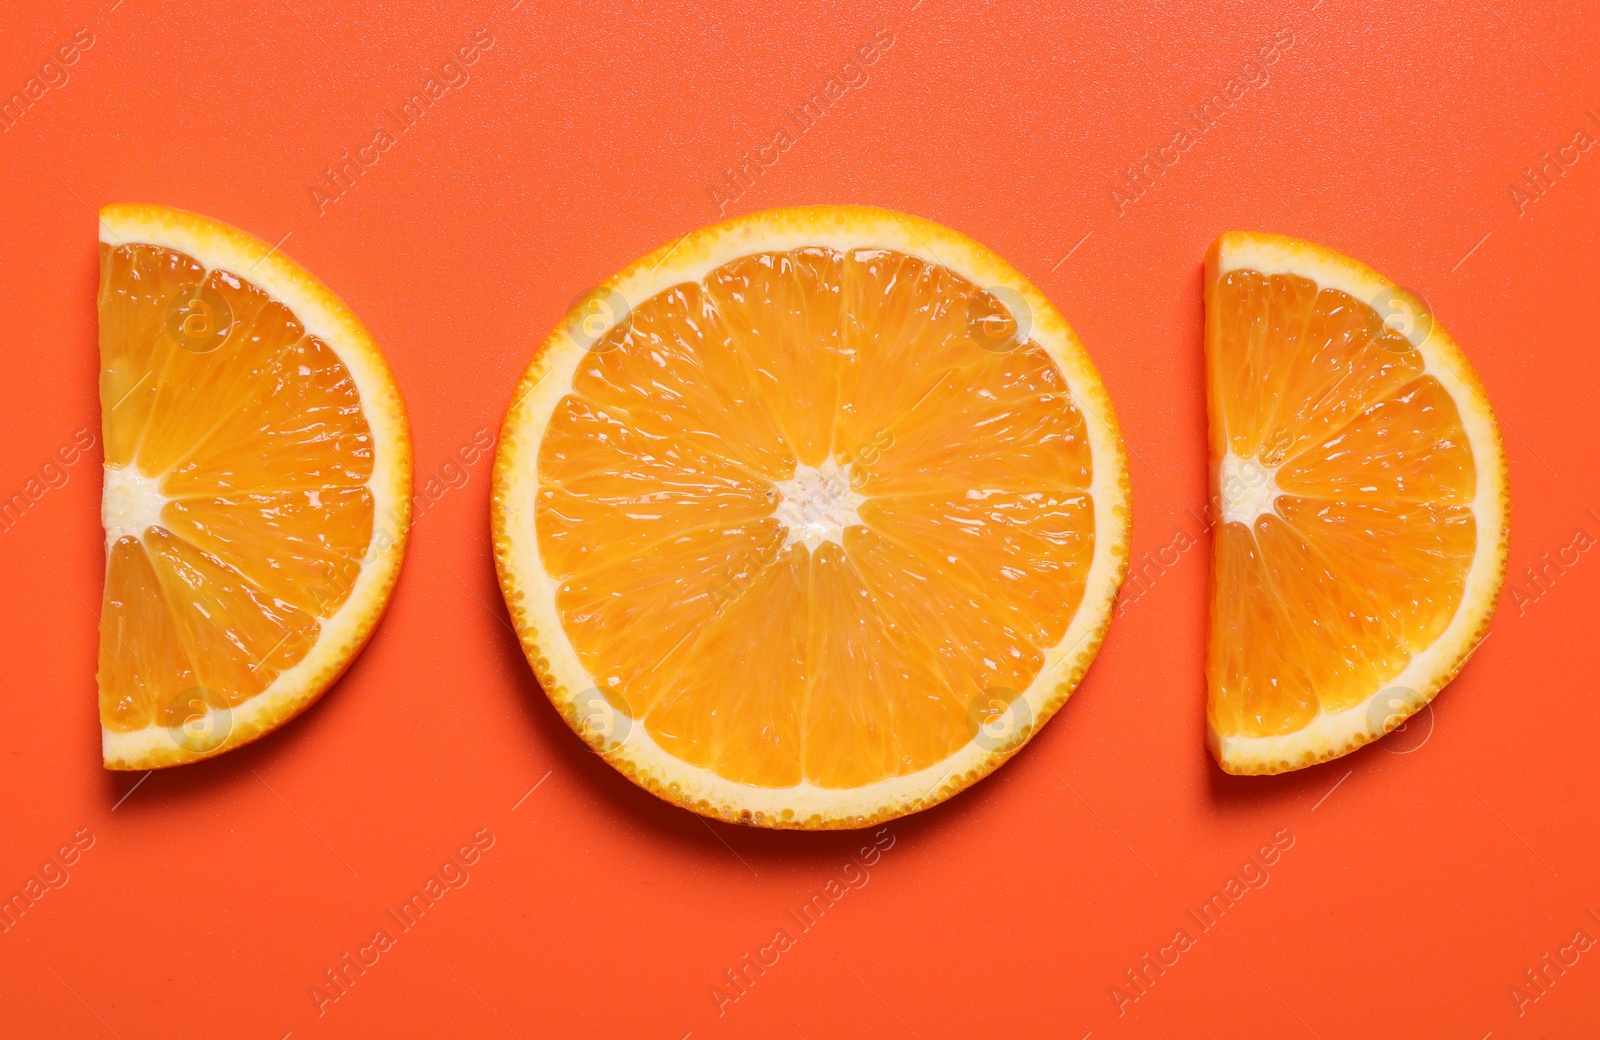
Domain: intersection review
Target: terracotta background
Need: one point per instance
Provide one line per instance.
(1420, 886)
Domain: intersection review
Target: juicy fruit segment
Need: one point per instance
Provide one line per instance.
(237, 505)
(805, 512)
(1345, 482)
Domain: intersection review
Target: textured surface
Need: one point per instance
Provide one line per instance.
(1412, 899)
(804, 378)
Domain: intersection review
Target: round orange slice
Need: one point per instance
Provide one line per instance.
(1361, 505)
(257, 487)
(811, 518)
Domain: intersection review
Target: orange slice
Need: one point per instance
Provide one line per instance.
(812, 518)
(1361, 497)
(257, 487)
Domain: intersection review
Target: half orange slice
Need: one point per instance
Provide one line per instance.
(1360, 492)
(257, 487)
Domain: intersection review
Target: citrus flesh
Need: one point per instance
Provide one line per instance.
(1361, 508)
(256, 499)
(812, 518)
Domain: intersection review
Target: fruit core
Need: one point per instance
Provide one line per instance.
(131, 504)
(817, 504)
(1246, 488)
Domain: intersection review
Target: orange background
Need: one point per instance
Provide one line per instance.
(1419, 886)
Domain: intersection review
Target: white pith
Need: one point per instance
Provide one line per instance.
(1247, 487)
(217, 247)
(531, 590)
(817, 504)
(1331, 733)
(130, 504)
